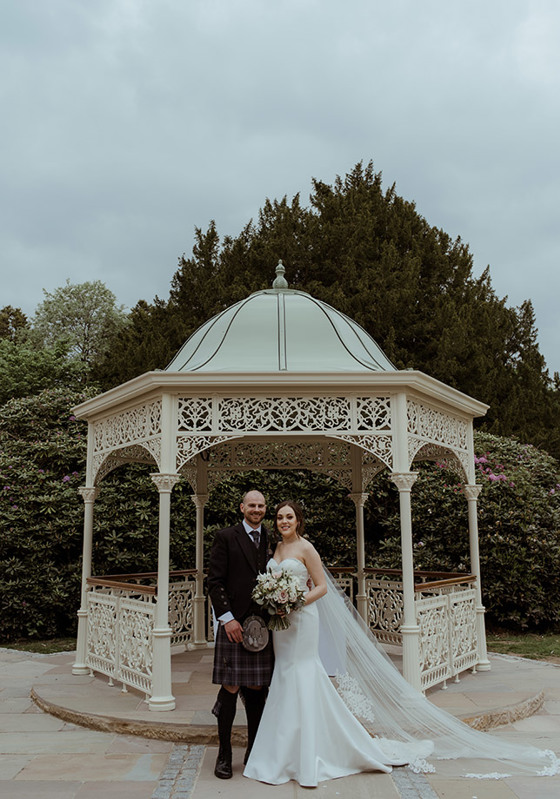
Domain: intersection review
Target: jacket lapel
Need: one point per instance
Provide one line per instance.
(247, 546)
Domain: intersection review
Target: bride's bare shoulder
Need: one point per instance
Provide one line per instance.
(307, 549)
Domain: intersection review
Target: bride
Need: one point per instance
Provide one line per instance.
(307, 733)
(311, 731)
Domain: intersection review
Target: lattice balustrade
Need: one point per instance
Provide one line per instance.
(446, 616)
(448, 639)
(464, 641)
(181, 618)
(432, 617)
(102, 652)
(121, 622)
(344, 581)
(385, 609)
(119, 640)
(136, 624)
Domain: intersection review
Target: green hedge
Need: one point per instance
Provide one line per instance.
(42, 457)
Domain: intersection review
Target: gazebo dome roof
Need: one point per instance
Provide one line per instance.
(280, 329)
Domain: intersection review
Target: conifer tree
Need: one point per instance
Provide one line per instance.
(370, 254)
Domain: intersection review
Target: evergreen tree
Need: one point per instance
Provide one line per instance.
(370, 254)
(12, 322)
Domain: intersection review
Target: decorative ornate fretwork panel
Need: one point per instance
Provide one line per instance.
(464, 640)
(385, 609)
(195, 414)
(432, 616)
(148, 453)
(190, 446)
(381, 446)
(327, 456)
(181, 619)
(434, 425)
(432, 433)
(119, 638)
(283, 414)
(448, 640)
(136, 624)
(373, 413)
(456, 462)
(131, 426)
(133, 435)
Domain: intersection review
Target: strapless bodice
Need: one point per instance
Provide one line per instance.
(293, 566)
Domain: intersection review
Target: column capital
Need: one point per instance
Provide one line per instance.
(404, 480)
(199, 500)
(165, 482)
(472, 491)
(88, 494)
(359, 498)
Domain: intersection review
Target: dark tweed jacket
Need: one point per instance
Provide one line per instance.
(233, 568)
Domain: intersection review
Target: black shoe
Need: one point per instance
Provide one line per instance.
(223, 769)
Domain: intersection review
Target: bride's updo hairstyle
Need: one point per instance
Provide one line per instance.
(298, 513)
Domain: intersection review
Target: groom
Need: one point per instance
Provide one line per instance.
(238, 554)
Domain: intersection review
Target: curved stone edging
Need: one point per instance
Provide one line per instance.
(507, 715)
(162, 731)
(205, 734)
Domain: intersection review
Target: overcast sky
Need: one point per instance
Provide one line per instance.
(126, 123)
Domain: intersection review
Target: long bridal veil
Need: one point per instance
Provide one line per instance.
(389, 707)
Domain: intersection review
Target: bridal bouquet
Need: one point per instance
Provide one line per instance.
(279, 593)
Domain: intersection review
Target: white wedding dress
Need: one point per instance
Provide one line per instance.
(310, 730)
(307, 733)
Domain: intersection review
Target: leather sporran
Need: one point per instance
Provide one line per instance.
(255, 634)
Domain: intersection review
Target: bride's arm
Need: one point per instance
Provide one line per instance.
(315, 569)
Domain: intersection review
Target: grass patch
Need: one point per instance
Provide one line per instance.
(525, 645)
(44, 647)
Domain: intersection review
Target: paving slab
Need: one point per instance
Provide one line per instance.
(67, 761)
(95, 767)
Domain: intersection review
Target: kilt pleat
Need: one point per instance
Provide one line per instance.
(234, 665)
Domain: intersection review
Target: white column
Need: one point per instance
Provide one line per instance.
(471, 493)
(200, 501)
(88, 495)
(409, 629)
(359, 499)
(162, 698)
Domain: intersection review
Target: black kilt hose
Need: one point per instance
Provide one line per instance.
(232, 575)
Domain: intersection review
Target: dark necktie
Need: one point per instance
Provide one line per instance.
(256, 538)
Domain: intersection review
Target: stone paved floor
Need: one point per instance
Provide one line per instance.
(42, 756)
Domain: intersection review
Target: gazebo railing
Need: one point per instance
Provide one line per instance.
(445, 613)
(121, 611)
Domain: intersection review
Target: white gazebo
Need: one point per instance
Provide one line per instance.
(279, 380)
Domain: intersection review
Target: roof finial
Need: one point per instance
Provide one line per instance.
(280, 281)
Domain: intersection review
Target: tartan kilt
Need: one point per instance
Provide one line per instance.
(235, 665)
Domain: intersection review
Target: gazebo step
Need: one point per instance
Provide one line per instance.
(483, 701)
